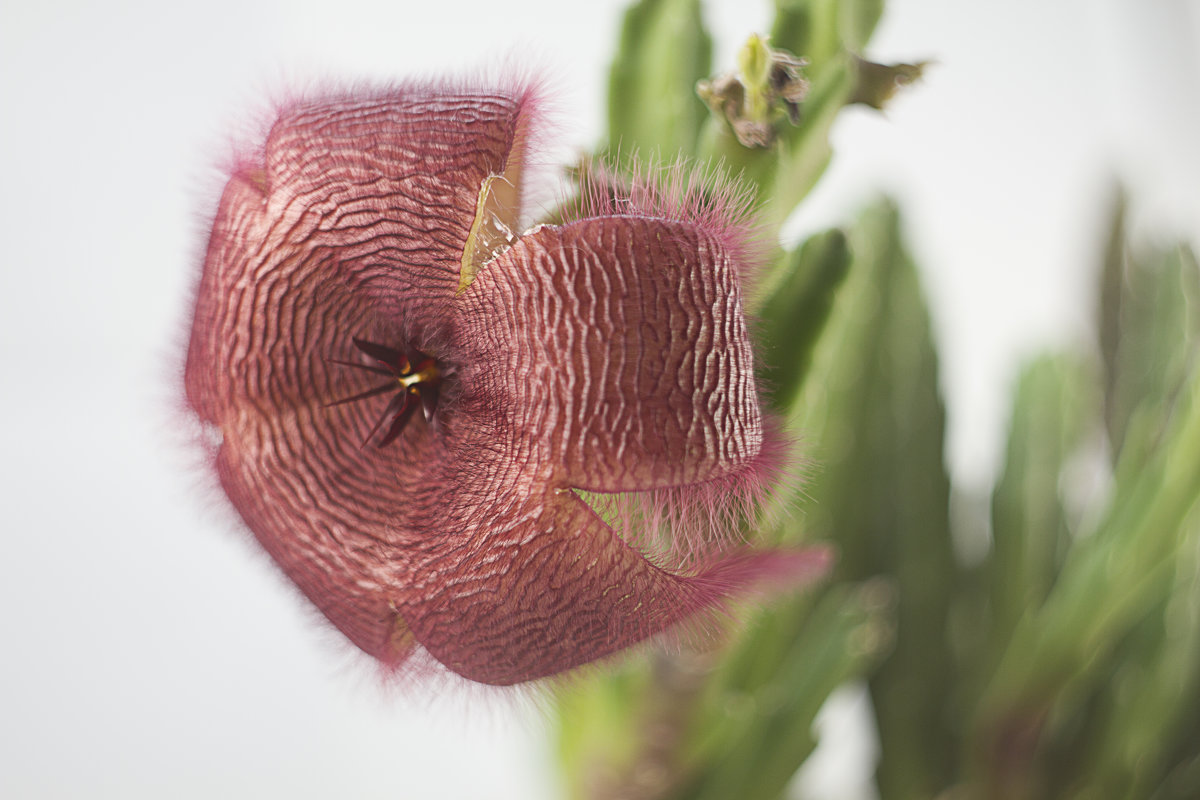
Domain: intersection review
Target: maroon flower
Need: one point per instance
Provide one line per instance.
(420, 412)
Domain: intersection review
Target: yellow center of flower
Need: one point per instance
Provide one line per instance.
(428, 373)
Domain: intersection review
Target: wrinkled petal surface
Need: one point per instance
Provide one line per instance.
(350, 223)
(617, 348)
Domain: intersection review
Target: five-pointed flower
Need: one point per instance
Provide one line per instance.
(414, 403)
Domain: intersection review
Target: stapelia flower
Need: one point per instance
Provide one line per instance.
(414, 404)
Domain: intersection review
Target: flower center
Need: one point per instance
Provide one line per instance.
(414, 379)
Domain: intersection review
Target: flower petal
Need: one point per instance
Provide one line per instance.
(609, 355)
(536, 583)
(618, 345)
(351, 223)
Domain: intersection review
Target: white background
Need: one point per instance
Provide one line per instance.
(149, 651)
